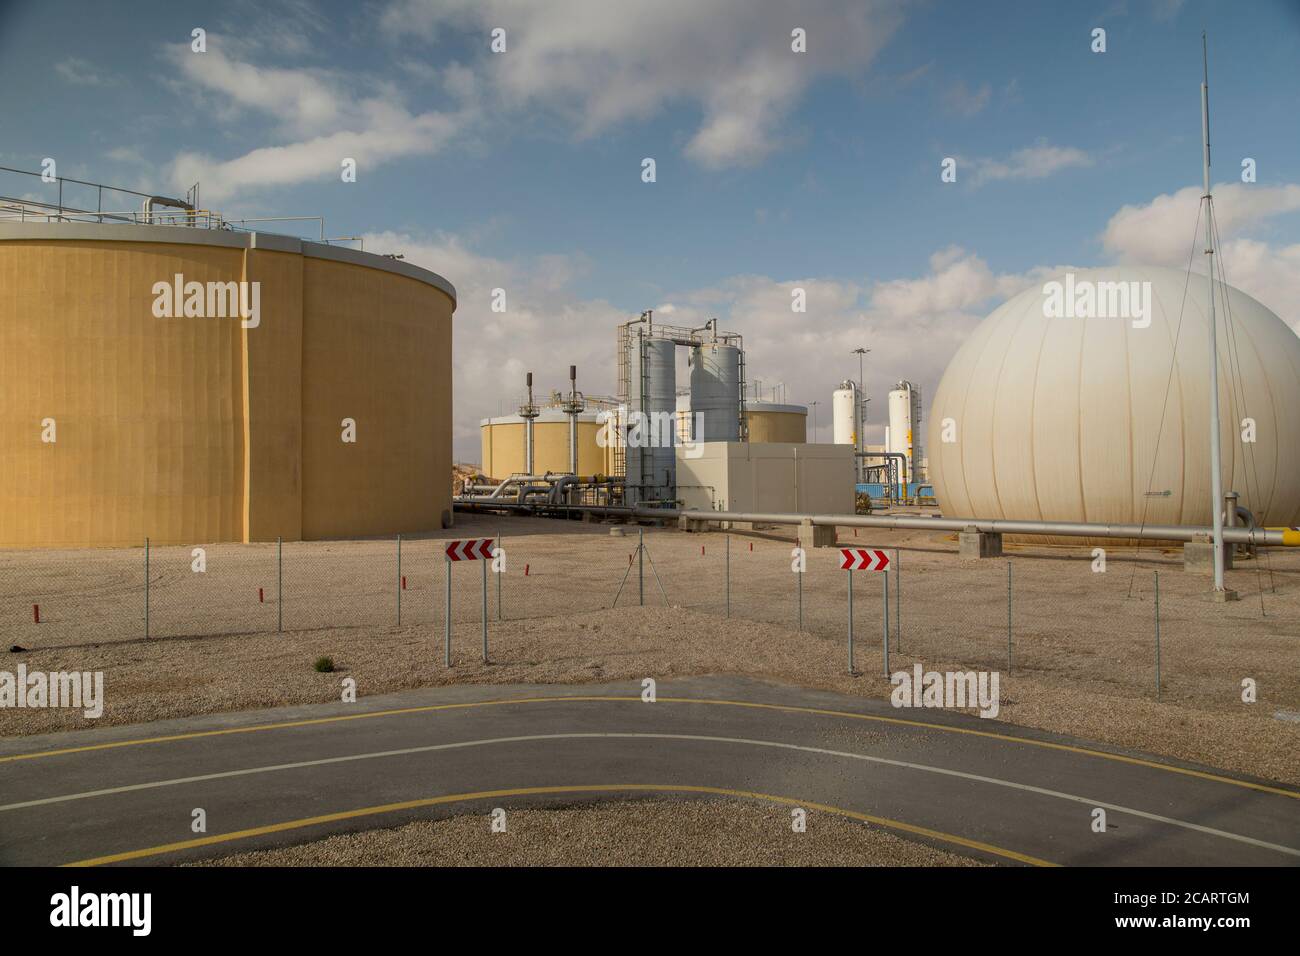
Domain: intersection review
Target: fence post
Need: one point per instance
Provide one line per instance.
(500, 539)
(885, 618)
(640, 566)
(799, 575)
(728, 575)
(850, 574)
(446, 641)
(399, 580)
(146, 588)
(1157, 578)
(485, 569)
(898, 600)
(279, 583)
(1008, 617)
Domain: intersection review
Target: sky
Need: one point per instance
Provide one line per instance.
(776, 169)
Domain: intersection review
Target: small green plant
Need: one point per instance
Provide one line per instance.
(324, 665)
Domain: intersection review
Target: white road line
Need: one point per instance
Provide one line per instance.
(925, 768)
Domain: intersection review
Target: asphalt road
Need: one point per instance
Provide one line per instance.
(282, 776)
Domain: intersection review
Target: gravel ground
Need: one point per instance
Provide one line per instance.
(1083, 655)
(619, 833)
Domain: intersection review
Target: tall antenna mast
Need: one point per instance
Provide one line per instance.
(1216, 454)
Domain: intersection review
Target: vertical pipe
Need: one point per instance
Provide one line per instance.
(850, 574)
(640, 566)
(885, 617)
(399, 580)
(146, 584)
(573, 419)
(528, 426)
(1157, 579)
(485, 642)
(279, 583)
(573, 443)
(446, 640)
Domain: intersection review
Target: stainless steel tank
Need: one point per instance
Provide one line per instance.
(715, 392)
(652, 420)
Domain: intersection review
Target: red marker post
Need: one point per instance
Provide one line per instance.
(867, 559)
(470, 549)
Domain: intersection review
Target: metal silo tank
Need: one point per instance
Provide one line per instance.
(904, 424)
(652, 404)
(715, 391)
(844, 414)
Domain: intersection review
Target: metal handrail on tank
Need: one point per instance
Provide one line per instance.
(59, 181)
(189, 214)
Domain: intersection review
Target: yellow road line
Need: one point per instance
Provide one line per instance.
(788, 708)
(533, 791)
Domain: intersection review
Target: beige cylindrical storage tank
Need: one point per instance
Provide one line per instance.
(176, 418)
(772, 422)
(1044, 416)
(846, 416)
(504, 445)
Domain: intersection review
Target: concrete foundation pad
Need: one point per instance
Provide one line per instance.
(816, 536)
(1198, 557)
(979, 544)
(691, 524)
(1224, 596)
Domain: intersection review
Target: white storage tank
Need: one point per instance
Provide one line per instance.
(846, 413)
(904, 434)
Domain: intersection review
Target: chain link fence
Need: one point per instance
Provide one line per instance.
(1054, 615)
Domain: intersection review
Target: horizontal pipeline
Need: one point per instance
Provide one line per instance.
(1262, 537)
(1256, 536)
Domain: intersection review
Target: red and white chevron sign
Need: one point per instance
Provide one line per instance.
(863, 559)
(471, 549)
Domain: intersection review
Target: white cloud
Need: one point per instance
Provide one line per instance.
(390, 134)
(912, 326)
(599, 63)
(317, 112)
(304, 100)
(546, 327)
(1161, 232)
(79, 72)
(1034, 162)
(962, 100)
